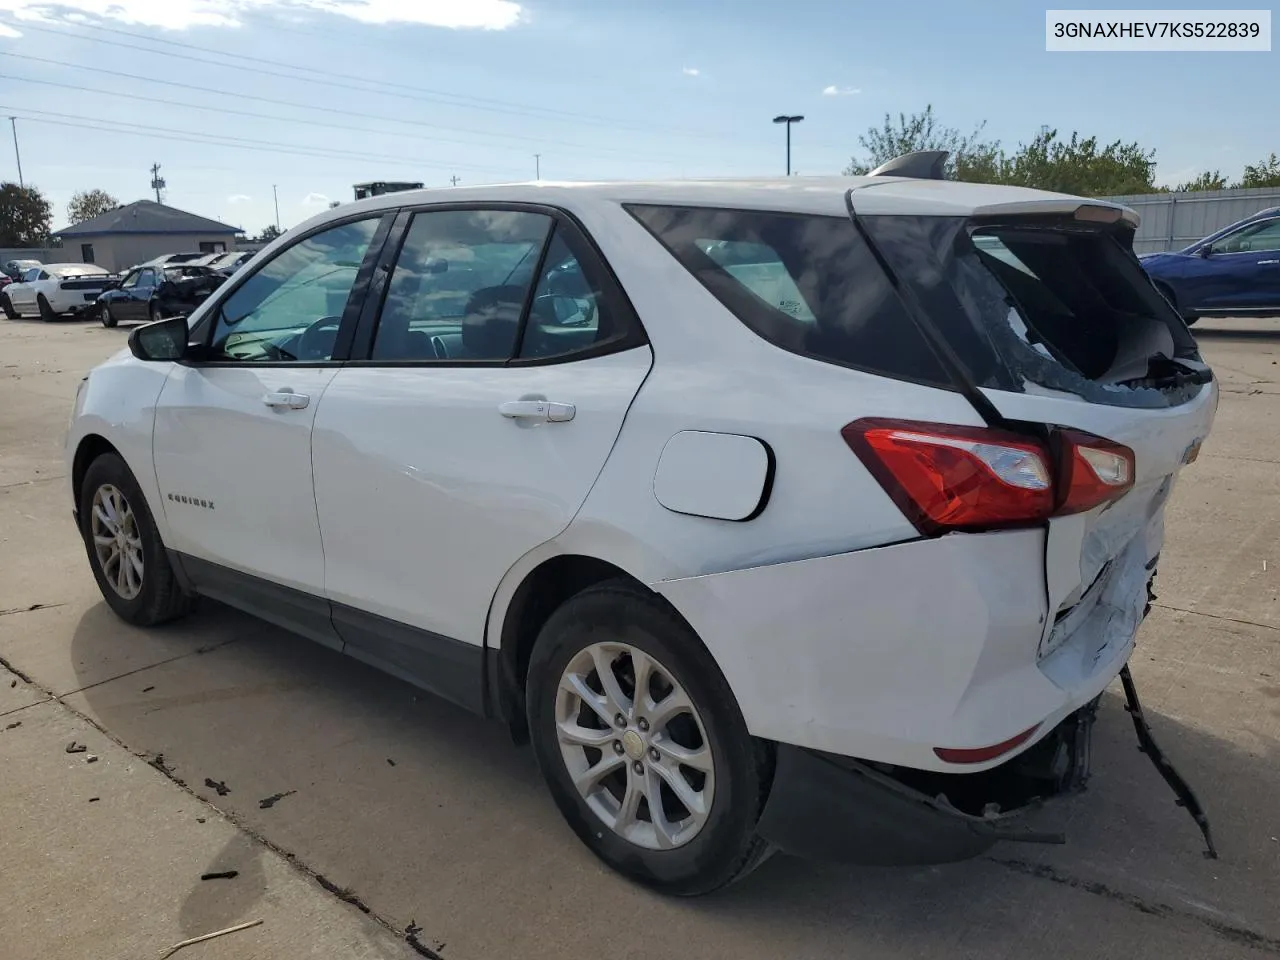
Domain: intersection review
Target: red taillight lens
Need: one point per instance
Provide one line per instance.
(951, 478)
(1094, 471)
(956, 478)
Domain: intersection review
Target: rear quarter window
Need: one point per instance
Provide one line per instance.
(807, 284)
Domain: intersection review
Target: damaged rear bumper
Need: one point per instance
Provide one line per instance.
(831, 808)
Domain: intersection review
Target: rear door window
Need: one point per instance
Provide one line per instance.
(807, 284)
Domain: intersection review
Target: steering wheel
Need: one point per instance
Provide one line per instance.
(318, 340)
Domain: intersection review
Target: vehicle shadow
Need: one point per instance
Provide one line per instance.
(427, 813)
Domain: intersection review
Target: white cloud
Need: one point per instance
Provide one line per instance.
(315, 200)
(834, 91)
(239, 198)
(691, 72)
(183, 14)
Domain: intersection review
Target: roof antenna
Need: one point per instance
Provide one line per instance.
(918, 165)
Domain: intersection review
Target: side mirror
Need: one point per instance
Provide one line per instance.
(163, 340)
(1205, 252)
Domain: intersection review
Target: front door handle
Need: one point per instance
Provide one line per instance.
(286, 400)
(1265, 263)
(538, 410)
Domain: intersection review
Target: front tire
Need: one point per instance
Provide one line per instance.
(7, 306)
(46, 312)
(126, 554)
(642, 744)
(106, 316)
(156, 313)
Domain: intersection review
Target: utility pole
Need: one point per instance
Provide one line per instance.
(537, 166)
(157, 182)
(275, 195)
(454, 179)
(788, 120)
(13, 122)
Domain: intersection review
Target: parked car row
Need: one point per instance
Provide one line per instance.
(167, 286)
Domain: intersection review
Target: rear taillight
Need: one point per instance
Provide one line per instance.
(1094, 471)
(951, 478)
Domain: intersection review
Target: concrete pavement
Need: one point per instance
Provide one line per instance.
(426, 815)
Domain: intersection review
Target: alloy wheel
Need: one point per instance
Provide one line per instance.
(634, 746)
(117, 541)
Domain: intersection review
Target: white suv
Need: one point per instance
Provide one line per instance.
(799, 514)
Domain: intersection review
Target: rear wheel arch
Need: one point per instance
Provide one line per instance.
(541, 592)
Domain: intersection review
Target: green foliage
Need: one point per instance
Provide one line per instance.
(1206, 181)
(87, 204)
(1264, 174)
(25, 216)
(1079, 165)
(922, 131)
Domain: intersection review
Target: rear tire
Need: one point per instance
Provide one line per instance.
(7, 306)
(106, 316)
(156, 313)
(705, 836)
(126, 554)
(46, 311)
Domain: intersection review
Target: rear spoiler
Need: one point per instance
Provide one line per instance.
(931, 165)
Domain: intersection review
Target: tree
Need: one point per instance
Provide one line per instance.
(1080, 166)
(1206, 181)
(269, 233)
(971, 158)
(87, 204)
(1263, 174)
(25, 216)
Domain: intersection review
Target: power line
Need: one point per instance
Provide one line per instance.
(330, 78)
(214, 140)
(300, 106)
(246, 113)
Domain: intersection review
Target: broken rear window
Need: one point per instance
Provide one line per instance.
(1064, 304)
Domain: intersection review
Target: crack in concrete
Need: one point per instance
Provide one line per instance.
(25, 706)
(24, 483)
(1228, 931)
(198, 651)
(34, 606)
(1217, 616)
(346, 895)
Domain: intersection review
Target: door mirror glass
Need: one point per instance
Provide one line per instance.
(164, 340)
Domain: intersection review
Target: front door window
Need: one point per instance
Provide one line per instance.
(291, 308)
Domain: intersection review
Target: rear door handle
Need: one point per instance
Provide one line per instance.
(1264, 263)
(538, 410)
(286, 400)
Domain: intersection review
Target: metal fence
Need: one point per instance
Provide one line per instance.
(1171, 221)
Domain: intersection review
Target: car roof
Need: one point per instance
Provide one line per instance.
(78, 266)
(815, 195)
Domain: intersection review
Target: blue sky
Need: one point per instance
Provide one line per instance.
(431, 89)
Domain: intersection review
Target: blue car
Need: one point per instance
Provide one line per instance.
(1234, 272)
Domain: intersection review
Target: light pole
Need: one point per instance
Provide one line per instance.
(788, 120)
(537, 166)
